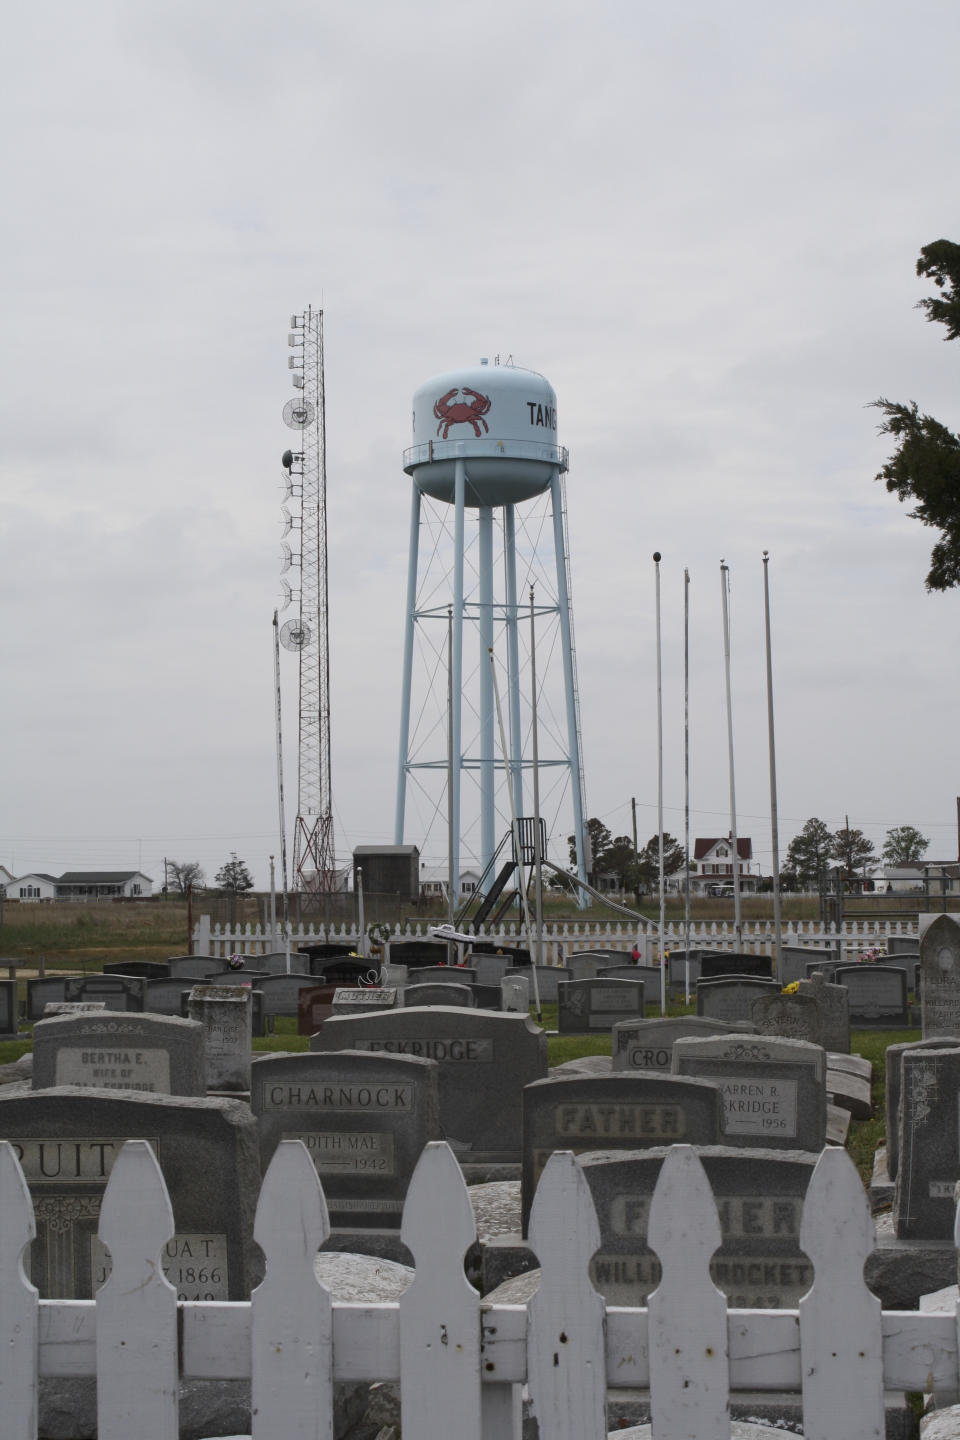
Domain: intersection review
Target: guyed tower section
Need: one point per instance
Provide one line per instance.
(487, 528)
(305, 516)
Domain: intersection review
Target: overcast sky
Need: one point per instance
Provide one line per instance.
(700, 222)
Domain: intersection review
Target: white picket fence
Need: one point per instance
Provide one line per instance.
(563, 937)
(461, 1362)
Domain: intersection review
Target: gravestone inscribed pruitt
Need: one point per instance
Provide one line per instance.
(484, 1060)
(759, 1196)
(939, 975)
(613, 1112)
(363, 1118)
(156, 1054)
(67, 1141)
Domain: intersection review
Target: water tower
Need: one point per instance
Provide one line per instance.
(485, 454)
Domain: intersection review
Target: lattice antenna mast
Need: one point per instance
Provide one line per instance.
(314, 860)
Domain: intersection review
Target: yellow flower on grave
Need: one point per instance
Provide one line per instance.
(791, 989)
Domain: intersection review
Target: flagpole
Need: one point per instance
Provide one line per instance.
(663, 962)
(724, 595)
(686, 783)
(535, 756)
(774, 821)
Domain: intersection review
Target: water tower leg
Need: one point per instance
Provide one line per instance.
(456, 698)
(411, 617)
(513, 657)
(569, 678)
(487, 816)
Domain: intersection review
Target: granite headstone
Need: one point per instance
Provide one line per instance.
(648, 1044)
(730, 996)
(939, 975)
(156, 1054)
(774, 1089)
(586, 1007)
(877, 995)
(226, 1014)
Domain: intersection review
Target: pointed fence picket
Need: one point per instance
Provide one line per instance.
(461, 1361)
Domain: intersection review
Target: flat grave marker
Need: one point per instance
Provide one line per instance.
(9, 1007)
(427, 993)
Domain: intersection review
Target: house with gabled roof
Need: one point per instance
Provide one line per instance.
(83, 885)
(711, 866)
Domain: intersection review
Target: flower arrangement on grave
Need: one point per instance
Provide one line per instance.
(791, 989)
(872, 955)
(235, 962)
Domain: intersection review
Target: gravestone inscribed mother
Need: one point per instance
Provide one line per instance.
(730, 997)
(586, 1007)
(877, 995)
(226, 1014)
(363, 1118)
(484, 1060)
(613, 1112)
(774, 1089)
(939, 975)
(157, 1054)
(67, 1140)
(759, 1196)
(929, 1162)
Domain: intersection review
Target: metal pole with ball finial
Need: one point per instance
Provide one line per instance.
(663, 962)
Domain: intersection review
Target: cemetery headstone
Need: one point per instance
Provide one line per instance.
(939, 975)
(41, 990)
(774, 1090)
(485, 1059)
(586, 1007)
(791, 1015)
(796, 958)
(759, 1196)
(490, 969)
(486, 997)
(730, 962)
(161, 1055)
(395, 975)
(274, 962)
(877, 995)
(821, 967)
(344, 969)
(67, 1140)
(432, 994)
(679, 964)
(613, 1112)
(120, 992)
(165, 997)
(648, 974)
(548, 977)
(364, 1001)
(730, 996)
(226, 1014)
(314, 1008)
(515, 994)
(146, 969)
(648, 1044)
(894, 1071)
(281, 993)
(363, 1118)
(902, 945)
(587, 964)
(417, 953)
(9, 1007)
(72, 1007)
(194, 967)
(441, 975)
(833, 1002)
(929, 1145)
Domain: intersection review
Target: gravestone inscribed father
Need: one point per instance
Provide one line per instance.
(613, 1112)
(226, 1014)
(67, 1140)
(929, 1162)
(161, 1055)
(363, 1118)
(588, 1006)
(485, 1059)
(939, 975)
(759, 1196)
(774, 1089)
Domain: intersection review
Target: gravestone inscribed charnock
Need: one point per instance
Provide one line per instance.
(939, 975)
(774, 1089)
(730, 997)
(67, 1141)
(648, 1044)
(588, 1006)
(929, 1162)
(484, 1060)
(614, 1112)
(363, 1118)
(877, 996)
(226, 1014)
(161, 1055)
(759, 1196)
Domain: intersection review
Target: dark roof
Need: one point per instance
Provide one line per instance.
(98, 877)
(385, 850)
(703, 847)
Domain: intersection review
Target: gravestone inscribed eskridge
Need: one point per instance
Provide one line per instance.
(759, 1196)
(363, 1118)
(648, 1044)
(894, 1065)
(939, 975)
(877, 996)
(226, 1014)
(929, 1160)
(484, 1060)
(160, 1055)
(730, 997)
(774, 1089)
(67, 1141)
(586, 1007)
(614, 1112)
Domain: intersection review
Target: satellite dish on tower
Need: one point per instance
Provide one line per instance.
(294, 635)
(298, 413)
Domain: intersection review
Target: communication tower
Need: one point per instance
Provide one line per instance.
(305, 480)
(487, 477)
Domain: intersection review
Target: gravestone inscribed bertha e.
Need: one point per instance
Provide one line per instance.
(162, 1055)
(588, 1006)
(877, 995)
(759, 1196)
(67, 1140)
(774, 1089)
(929, 1167)
(484, 1060)
(939, 975)
(363, 1118)
(226, 1014)
(614, 1112)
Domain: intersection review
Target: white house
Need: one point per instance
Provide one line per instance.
(84, 885)
(711, 868)
(433, 881)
